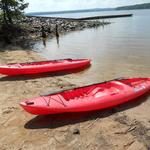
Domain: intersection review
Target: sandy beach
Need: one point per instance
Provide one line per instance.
(126, 127)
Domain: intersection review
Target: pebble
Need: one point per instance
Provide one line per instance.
(76, 131)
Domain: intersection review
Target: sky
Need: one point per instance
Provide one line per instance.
(59, 5)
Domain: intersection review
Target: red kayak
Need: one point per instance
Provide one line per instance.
(43, 66)
(92, 97)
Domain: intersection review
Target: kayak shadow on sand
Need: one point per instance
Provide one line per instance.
(59, 120)
(43, 75)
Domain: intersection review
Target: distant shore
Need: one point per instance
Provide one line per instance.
(105, 17)
(88, 18)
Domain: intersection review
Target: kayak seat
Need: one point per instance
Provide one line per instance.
(76, 94)
(118, 85)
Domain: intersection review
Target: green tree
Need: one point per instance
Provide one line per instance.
(12, 10)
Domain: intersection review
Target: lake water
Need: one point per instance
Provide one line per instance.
(119, 49)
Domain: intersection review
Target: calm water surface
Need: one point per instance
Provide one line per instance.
(119, 49)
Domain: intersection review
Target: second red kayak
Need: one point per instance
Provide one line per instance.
(92, 97)
(43, 66)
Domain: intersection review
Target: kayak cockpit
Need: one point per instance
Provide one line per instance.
(110, 88)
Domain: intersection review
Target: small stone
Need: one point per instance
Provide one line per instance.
(76, 131)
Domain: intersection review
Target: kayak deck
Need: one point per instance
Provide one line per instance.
(93, 97)
(43, 66)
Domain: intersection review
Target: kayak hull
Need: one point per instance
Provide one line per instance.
(93, 97)
(43, 66)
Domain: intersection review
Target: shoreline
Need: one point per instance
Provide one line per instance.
(64, 25)
(32, 27)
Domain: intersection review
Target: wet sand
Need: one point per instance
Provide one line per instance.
(126, 127)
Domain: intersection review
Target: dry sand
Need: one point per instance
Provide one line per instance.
(126, 127)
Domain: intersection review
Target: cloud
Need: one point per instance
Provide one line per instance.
(57, 5)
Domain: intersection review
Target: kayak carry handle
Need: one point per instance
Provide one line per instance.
(29, 103)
